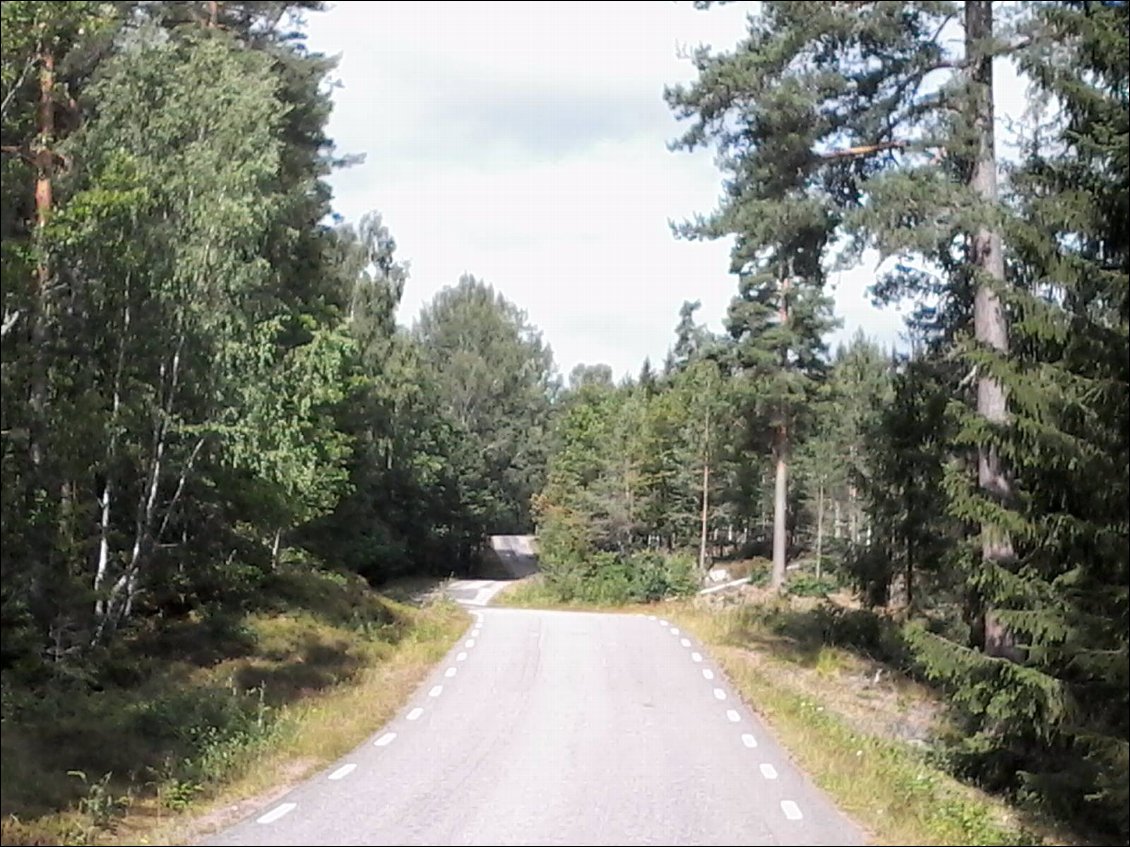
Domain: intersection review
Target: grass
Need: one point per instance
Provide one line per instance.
(850, 731)
(189, 725)
(858, 727)
(530, 593)
(533, 593)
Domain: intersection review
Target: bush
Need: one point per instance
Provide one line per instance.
(657, 575)
(808, 585)
(609, 578)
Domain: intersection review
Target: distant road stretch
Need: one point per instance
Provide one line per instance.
(509, 557)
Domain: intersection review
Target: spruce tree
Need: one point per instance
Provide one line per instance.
(1070, 266)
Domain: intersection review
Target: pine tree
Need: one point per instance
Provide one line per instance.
(496, 376)
(782, 224)
(902, 453)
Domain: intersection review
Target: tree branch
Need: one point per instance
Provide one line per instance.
(9, 322)
(180, 489)
(864, 150)
(28, 65)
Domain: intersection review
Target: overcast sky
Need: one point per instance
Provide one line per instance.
(525, 143)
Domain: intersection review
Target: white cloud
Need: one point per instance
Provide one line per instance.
(526, 143)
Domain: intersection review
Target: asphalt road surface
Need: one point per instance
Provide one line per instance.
(561, 728)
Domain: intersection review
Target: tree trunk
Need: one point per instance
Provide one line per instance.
(705, 495)
(780, 456)
(101, 573)
(780, 504)
(909, 573)
(37, 314)
(819, 529)
(705, 508)
(836, 519)
(119, 603)
(990, 324)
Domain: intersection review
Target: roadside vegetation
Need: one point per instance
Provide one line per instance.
(827, 680)
(968, 488)
(160, 736)
(216, 438)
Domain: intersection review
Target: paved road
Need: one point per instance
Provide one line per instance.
(509, 557)
(561, 728)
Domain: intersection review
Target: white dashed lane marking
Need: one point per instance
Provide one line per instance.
(450, 672)
(385, 739)
(415, 714)
(469, 643)
(277, 812)
(790, 809)
(462, 657)
(343, 772)
(474, 633)
(436, 691)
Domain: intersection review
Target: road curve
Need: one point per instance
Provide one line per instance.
(561, 728)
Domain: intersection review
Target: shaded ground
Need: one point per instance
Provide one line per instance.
(510, 557)
(507, 558)
(170, 713)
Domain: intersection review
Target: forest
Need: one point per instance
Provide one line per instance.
(205, 383)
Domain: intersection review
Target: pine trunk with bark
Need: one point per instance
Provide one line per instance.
(990, 325)
(705, 496)
(780, 504)
(44, 158)
(819, 530)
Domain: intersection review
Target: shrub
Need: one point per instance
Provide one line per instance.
(608, 578)
(808, 585)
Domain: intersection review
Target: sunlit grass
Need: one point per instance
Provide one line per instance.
(529, 593)
(534, 593)
(819, 705)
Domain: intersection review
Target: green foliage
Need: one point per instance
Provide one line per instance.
(873, 123)
(100, 803)
(810, 585)
(606, 578)
(495, 379)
